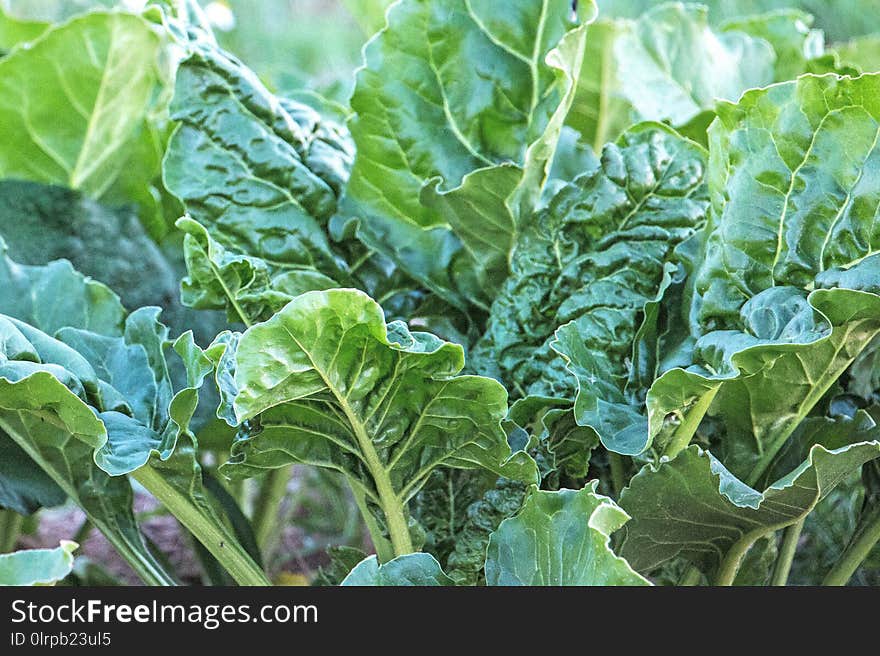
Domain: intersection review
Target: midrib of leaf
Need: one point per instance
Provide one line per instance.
(447, 112)
(605, 72)
(533, 63)
(392, 506)
(75, 174)
(228, 292)
(817, 391)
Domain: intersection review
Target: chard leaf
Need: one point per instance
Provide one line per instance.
(76, 103)
(418, 569)
(670, 65)
(785, 293)
(44, 388)
(327, 382)
(43, 223)
(693, 507)
(14, 31)
(672, 51)
(107, 399)
(261, 178)
(560, 538)
(37, 566)
(458, 111)
(593, 258)
(466, 562)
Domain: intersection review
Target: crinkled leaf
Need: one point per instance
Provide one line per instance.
(785, 292)
(560, 538)
(37, 566)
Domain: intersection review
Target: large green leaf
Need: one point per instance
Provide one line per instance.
(840, 19)
(327, 382)
(785, 290)
(863, 53)
(75, 106)
(260, 176)
(693, 507)
(15, 30)
(44, 388)
(560, 538)
(600, 252)
(89, 398)
(37, 566)
(670, 65)
(458, 110)
(418, 569)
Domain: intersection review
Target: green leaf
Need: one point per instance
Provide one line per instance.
(458, 111)
(260, 177)
(785, 292)
(693, 507)
(560, 538)
(37, 566)
(326, 382)
(262, 183)
(75, 104)
(418, 569)
(599, 111)
(43, 390)
(466, 562)
(55, 295)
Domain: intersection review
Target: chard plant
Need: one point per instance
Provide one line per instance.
(560, 294)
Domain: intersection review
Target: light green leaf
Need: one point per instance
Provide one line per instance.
(785, 292)
(458, 111)
(560, 538)
(863, 53)
(326, 382)
(37, 566)
(74, 103)
(418, 569)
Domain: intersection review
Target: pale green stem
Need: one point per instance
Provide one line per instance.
(787, 550)
(733, 558)
(267, 507)
(688, 428)
(691, 577)
(864, 539)
(235, 560)
(384, 550)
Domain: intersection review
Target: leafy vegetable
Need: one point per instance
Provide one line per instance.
(455, 135)
(537, 546)
(379, 404)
